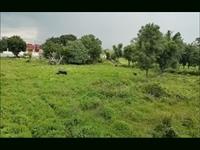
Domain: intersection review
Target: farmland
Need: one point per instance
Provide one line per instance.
(98, 100)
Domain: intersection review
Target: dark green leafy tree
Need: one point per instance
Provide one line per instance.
(195, 56)
(149, 44)
(93, 45)
(16, 44)
(190, 56)
(64, 39)
(186, 56)
(3, 44)
(76, 53)
(50, 47)
(54, 52)
(130, 53)
(171, 51)
(54, 40)
(118, 50)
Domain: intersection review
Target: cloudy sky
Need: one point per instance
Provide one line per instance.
(111, 28)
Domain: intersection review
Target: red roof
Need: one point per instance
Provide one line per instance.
(31, 47)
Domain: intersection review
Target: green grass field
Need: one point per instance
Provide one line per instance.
(94, 101)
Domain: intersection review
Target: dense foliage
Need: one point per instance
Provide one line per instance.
(16, 44)
(93, 45)
(151, 47)
(76, 53)
(88, 48)
(3, 44)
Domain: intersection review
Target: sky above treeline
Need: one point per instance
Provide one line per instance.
(110, 28)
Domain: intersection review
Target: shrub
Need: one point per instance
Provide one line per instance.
(187, 122)
(164, 129)
(106, 113)
(71, 124)
(86, 131)
(155, 90)
(121, 127)
(89, 104)
(48, 128)
(15, 130)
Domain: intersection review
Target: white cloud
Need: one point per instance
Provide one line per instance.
(29, 34)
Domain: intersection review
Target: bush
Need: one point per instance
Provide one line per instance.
(106, 113)
(15, 130)
(155, 90)
(89, 104)
(164, 129)
(121, 126)
(86, 131)
(48, 128)
(187, 122)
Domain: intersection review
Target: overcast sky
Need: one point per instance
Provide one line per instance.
(110, 28)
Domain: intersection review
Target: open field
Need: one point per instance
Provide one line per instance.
(94, 101)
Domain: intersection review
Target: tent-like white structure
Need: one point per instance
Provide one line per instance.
(21, 54)
(7, 54)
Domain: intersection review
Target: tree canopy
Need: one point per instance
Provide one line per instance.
(3, 44)
(149, 44)
(16, 44)
(93, 45)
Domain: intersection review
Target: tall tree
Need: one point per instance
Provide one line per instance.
(149, 43)
(16, 44)
(169, 56)
(93, 45)
(50, 47)
(130, 53)
(118, 50)
(76, 52)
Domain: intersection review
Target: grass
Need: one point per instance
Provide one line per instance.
(94, 101)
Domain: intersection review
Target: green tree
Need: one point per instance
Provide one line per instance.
(130, 53)
(195, 55)
(108, 54)
(118, 50)
(169, 56)
(54, 40)
(186, 56)
(3, 44)
(76, 52)
(16, 44)
(93, 45)
(197, 41)
(149, 44)
(64, 39)
(50, 47)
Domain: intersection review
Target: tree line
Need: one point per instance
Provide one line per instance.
(87, 49)
(151, 47)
